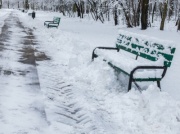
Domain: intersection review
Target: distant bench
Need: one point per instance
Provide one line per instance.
(140, 57)
(29, 14)
(54, 23)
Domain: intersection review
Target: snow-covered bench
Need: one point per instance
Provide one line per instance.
(54, 23)
(140, 57)
(29, 14)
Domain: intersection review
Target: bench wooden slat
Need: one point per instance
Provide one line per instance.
(148, 51)
(147, 79)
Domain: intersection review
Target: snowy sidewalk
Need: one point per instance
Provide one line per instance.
(21, 110)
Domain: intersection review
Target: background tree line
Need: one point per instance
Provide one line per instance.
(133, 12)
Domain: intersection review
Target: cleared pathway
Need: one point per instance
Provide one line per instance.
(21, 107)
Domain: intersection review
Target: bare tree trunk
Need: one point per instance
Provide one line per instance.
(170, 9)
(178, 28)
(178, 24)
(107, 11)
(154, 8)
(160, 9)
(0, 4)
(27, 4)
(115, 16)
(18, 5)
(144, 14)
(176, 10)
(8, 4)
(126, 13)
(108, 14)
(164, 14)
(94, 10)
(81, 9)
(138, 12)
(134, 13)
(78, 10)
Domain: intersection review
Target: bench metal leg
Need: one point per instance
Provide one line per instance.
(146, 67)
(139, 88)
(129, 86)
(130, 83)
(158, 84)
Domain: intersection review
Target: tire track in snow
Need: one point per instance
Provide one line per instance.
(61, 104)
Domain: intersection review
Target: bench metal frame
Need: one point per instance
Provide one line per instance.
(131, 78)
(52, 22)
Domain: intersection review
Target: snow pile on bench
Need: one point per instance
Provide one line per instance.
(139, 44)
(127, 63)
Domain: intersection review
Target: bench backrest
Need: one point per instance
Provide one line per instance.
(56, 20)
(146, 47)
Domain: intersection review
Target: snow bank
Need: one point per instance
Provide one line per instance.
(96, 88)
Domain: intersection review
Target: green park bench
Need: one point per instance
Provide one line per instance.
(29, 14)
(54, 23)
(140, 57)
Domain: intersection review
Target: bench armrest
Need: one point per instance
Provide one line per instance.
(108, 48)
(131, 79)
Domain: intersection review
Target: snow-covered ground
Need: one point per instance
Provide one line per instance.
(81, 96)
